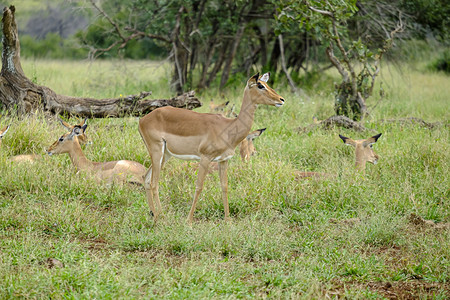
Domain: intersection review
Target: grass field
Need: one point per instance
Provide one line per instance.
(62, 235)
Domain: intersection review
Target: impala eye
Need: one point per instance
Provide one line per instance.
(260, 86)
(61, 139)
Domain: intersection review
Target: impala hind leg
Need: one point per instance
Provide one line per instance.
(224, 185)
(152, 180)
(202, 171)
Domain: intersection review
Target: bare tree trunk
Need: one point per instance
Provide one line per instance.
(230, 58)
(18, 92)
(217, 65)
(296, 89)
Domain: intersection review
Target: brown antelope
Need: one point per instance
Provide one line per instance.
(190, 135)
(246, 147)
(363, 151)
(246, 150)
(112, 171)
(82, 138)
(217, 107)
(32, 158)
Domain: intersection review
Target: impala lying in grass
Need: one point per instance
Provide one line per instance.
(363, 151)
(31, 158)
(363, 154)
(246, 150)
(213, 107)
(189, 135)
(120, 171)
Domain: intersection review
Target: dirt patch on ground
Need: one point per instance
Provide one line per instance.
(420, 222)
(345, 222)
(97, 244)
(394, 290)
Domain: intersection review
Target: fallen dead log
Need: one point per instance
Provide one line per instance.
(414, 121)
(331, 122)
(18, 93)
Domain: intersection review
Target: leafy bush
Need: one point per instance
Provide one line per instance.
(442, 63)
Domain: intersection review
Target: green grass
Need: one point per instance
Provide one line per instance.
(288, 239)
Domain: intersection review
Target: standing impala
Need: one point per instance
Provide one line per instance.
(189, 135)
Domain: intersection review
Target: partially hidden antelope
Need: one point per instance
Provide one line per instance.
(189, 135)
(213, 107)
(363, 151)
(246, 150)
(121, 171)
(32, 158)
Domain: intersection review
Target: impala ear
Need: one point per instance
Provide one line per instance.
(375, 138)
(65, 124)
(265, 77)
(372, 140)
(253, 80)
(253, 135)
(347, 141)
(77, 130)
(4, 130)
(83, 122)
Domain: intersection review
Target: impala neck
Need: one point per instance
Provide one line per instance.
(244, 121)
(360, 165)
(78, 158)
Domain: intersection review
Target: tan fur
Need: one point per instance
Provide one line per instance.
(169, 131)
(112, 171)
(32, 158)
(363, 151)
(82, 138)
(246, 150)
(246, 147)
(213, 107)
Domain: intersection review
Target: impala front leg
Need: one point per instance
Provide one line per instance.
(224, 185)
(202, 171)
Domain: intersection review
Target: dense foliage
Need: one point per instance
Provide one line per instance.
(211, 40)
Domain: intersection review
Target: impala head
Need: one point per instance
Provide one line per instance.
(217, 107)
(247, 148)
(261, 92)
(363, 150)
(82, 139)
(2, 133)
(65, 143)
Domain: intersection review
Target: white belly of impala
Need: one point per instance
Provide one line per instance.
(219, 158)
(196, 157)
